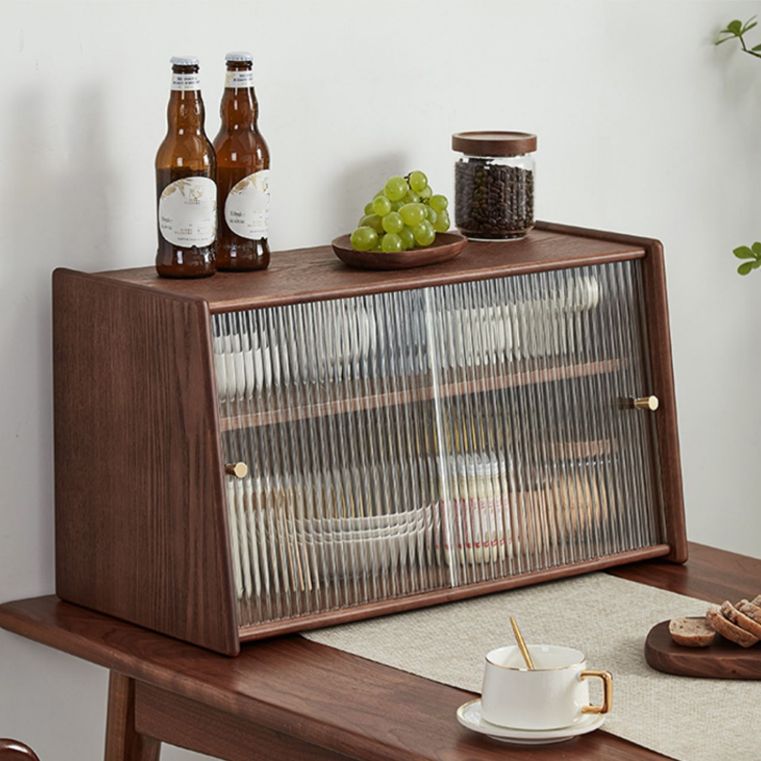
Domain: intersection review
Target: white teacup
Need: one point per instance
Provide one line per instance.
(554, 695)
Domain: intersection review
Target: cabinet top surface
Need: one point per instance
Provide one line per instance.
(308, 274)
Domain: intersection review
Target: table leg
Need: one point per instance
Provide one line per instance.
(123, 742)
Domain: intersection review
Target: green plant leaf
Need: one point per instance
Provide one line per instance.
(756, 47)
(757, 264)
(748, 26)
(745, 268)
(743, 252)
(735, 27)
(756, 248)
(723, 39)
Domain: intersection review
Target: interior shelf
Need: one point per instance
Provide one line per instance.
(291, 403)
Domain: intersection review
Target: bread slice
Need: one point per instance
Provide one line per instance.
(691, 632)
(728, 630)
(750, 610)
(738, 618)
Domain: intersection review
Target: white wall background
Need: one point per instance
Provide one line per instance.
(644, 127)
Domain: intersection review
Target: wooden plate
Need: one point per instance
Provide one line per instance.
(447, 246)
(722, 660)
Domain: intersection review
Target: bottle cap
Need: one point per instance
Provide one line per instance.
(241, 57)
(183, 60)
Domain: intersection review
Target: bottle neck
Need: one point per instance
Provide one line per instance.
(239, 109)
(185, 112)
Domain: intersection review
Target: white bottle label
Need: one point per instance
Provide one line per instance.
(247, 206)
(186, 80)
(238, 79)
(188, 212)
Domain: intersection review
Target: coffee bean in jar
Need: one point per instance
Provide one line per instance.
(494, 184)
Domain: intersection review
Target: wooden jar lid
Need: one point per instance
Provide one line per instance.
(494, 143)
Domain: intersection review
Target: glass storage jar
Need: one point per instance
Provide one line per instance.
(480, 510)
(494, 184)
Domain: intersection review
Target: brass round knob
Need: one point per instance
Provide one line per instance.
(237, 469)
(646, 403)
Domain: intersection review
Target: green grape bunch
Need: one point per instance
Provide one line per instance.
(404, 214)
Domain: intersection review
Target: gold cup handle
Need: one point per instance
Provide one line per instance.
(607, 690)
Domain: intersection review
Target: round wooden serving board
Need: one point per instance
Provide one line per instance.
(447, 246)
(722, 660)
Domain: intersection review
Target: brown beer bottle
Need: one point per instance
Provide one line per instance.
(243, 163)
(185, 189)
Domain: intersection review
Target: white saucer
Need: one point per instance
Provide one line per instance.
(469, 715)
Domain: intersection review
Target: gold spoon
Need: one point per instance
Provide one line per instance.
(522, 644)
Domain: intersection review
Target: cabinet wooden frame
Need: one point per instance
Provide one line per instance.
(141, 522)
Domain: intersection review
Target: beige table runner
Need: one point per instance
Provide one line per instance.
(606, 617)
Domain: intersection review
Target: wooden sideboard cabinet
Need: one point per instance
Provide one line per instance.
(258, 453)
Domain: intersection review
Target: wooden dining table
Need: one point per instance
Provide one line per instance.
(294, 700)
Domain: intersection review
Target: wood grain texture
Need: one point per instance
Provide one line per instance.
(195, 726)
(447, 246)
(337, 701)
(722, 660)
(13, 750)
(141, 527)
(669, 459)
(123, 741)
(312, 274)
(710, 574)
(668, 468)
